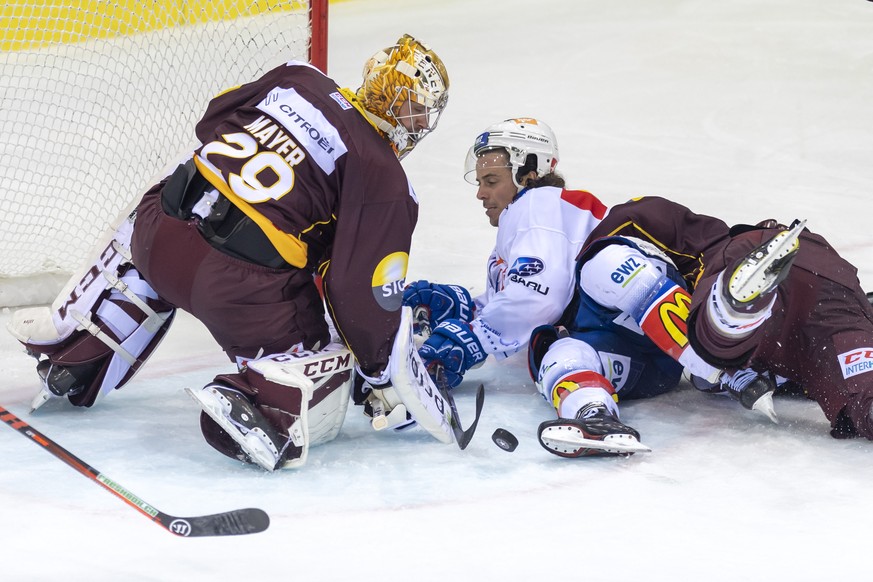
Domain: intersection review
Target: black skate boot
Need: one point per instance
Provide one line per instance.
(594, 431)
(65, 380)
(59, 381)
(234, 413)
(753, 390)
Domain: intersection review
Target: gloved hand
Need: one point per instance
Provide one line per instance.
(455, 347)
(433, 303)
(382, 405)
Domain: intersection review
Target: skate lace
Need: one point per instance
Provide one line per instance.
(592, 410)
(740, 380)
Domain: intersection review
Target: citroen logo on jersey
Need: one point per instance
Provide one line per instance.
(527, 267)
(389, 278)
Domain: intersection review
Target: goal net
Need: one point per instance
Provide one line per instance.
(98, 96)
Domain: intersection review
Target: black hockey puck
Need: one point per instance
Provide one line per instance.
(504, 439)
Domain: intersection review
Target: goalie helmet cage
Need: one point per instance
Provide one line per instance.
(98, 96)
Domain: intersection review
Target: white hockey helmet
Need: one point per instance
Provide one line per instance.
(407, 71)
(530, 144)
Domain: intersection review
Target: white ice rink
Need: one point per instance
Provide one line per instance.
(746, 109)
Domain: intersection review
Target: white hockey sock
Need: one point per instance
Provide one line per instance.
(729, 322)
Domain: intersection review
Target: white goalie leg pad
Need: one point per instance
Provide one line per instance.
(92, 303)
(325, 379)
(414, 386)
(331, 372)
(43, 325)
(276, 370)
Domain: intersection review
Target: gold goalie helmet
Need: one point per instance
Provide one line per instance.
(405, 90)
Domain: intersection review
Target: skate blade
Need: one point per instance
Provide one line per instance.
(764, 405)
(211, 405)
(570, 441)
(44, 396)
(753, 276)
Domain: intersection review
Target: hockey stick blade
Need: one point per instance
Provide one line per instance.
(462, 437)
(229, 523)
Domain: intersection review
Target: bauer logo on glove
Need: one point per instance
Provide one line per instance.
(455, 346)
(437, 303)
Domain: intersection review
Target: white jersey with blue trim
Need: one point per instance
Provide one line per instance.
(531, 272)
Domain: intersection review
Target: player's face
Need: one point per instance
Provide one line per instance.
(496, 189)
(413, 116)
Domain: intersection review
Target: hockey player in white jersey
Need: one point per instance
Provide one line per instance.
(532, 282)
(541, 229)
(531, 275)
(620, 309)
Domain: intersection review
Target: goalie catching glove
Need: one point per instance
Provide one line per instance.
(455, 346)
(433, 304)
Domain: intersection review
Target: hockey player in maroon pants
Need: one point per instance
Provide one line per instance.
(778, 306)
(294, 177)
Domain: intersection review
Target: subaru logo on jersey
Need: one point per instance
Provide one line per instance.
(524, 267)
(527, 267)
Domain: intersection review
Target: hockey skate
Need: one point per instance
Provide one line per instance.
(594, 431)
(753, 390)
(233, 412)
(750, 388)
(762, 270)
(59, 381)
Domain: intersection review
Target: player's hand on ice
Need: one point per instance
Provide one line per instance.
(455, 347)
(433, 304)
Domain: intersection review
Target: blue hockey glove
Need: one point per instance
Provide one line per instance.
(433, 304)
(454, 346)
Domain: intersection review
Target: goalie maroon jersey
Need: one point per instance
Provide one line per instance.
(294, 153)
(820, 335)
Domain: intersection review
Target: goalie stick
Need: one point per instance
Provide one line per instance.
(425, 399)
(462, 436)
(229, 523)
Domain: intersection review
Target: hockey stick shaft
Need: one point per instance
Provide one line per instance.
(236, 522)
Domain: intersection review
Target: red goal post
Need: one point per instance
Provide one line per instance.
(98, 96)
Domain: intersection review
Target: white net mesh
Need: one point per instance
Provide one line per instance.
(96, 97)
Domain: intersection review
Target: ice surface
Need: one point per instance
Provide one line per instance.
(745, 109)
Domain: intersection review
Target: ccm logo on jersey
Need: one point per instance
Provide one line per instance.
(856, 362)
(524, 267)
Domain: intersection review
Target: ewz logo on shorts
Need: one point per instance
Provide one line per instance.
(856, 362)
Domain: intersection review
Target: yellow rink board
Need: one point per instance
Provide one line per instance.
(27, 24)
